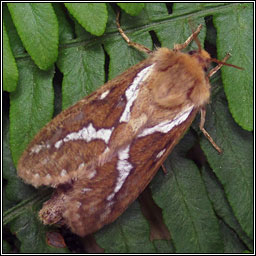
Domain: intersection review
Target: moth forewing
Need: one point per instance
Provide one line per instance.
(46, 161)
(134, 166)
(102, 152)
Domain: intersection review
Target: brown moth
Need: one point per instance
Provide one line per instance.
(102, 152)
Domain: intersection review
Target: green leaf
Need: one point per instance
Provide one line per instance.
(235, 35)
(221, 205)
(33, 201)
(118, 49)
(15, 190)
(187, 211)
(33, 234)
(131, 8)
(93, 17)
(84, 63)
(246, 251)
(10, 71)
(6, 247)
(15, 42)
(82, 75)
(128, 234)
(163, 246)
(65, 28)
(25, 224)
(186, 8)
(31, 106)
(37, 27)
(232, 244)
(234, 167)
(178, 33)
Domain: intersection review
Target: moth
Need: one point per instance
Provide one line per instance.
(102, 152)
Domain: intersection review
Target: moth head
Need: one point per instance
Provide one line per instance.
(179, 79)
(203, 58)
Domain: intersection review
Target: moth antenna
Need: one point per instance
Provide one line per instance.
(195, 36)
(198, 44)
(206, 134)
(225, 64)
(220, 64)
(178, 47)
(212, 59)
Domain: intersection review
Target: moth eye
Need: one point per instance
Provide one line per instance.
(192, 52)
(205, 69)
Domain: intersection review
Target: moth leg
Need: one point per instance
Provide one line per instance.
(206, 134)
(164, 169)
(178, 47)
(137, 46)
(214, 70)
